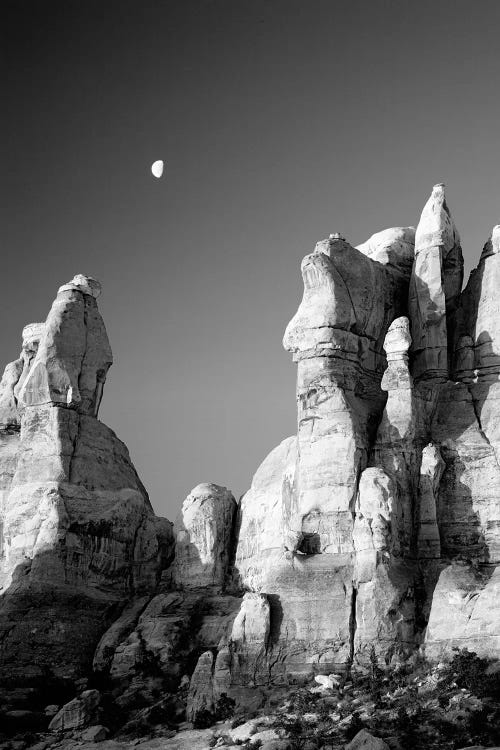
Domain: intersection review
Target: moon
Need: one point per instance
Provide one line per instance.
(157, 168)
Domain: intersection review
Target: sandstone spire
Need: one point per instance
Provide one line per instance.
(435, 287)
(78, 534)
(73, 354)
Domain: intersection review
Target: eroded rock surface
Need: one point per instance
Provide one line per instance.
(372, 533)
(204, 537)
(79, 534)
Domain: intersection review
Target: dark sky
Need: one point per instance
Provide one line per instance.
(279, 122)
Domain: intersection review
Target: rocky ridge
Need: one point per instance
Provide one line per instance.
(373, 534)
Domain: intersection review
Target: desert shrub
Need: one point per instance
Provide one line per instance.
(354, 727)
(376, 675)
(468, 670)
(224, 709)
(204, 719)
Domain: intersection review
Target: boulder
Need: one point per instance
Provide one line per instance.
(78, 713)
(366, 741)
(97, 733)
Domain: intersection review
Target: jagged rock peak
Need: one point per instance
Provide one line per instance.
(435, 287)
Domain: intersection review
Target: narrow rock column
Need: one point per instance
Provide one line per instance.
(434, 289)
(431, 471)
(395, 450)
(383, 527)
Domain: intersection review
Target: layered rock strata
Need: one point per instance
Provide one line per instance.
(370, 498)
(375, 528)
(79, 534)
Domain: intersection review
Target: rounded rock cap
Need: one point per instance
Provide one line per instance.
(398, 337)
(33, 332)
(438, 193)
(84, 284)
(208, 489)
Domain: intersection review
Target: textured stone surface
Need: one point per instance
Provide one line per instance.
(73, 354)
(78, 713)
(366, 741)
(465, 612)
(204, 537)
(201, 689)
(435, 287)
(79, 535)
(97, 733)
(336, 337)
(158, 640)
(393, 247)
(263, 513)
(375, 529)
(309, 595)
(480, 311)
(431, 471)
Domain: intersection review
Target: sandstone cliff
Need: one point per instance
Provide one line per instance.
(374, 530)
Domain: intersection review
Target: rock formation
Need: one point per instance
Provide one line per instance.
(435, 287)
(367, 499)
(79, 535)
(375, 529)
(204, 537)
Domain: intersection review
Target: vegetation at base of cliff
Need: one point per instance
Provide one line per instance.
(412, 705)
(422, 707)
(224, 709)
